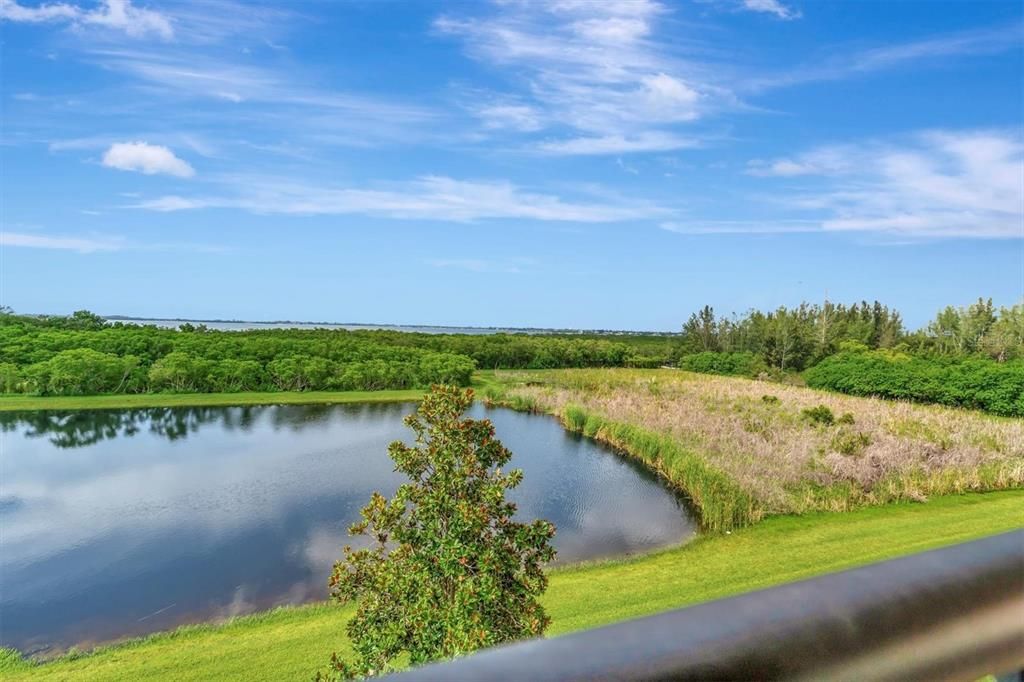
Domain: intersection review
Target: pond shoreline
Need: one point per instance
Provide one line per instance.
(293, 642)
(297, 460)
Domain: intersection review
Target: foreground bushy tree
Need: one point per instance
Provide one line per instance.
(448, 571)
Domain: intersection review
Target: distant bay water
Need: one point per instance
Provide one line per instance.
(242, 325)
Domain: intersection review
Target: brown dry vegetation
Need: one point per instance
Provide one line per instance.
(755, 434)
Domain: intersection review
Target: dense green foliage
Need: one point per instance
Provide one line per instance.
(974, 382)
(449, 571)
(83, 355)
(793, 339)
(742, 363)
(517, 351)
(967, 357)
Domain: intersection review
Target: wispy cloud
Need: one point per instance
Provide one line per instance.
(767, 226)
(266, 97)
(848, 62)
(226, 61)
(649, 141)
(90, 244)
(146, 158)
(117, 15)
(772, 7)
(476, 265)
(934, 184)
(96, 243)
(425, 198)
(592, 73)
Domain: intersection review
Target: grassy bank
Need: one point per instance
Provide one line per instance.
(745, 449)
(291, 643)
(140, 400)
(10, 403)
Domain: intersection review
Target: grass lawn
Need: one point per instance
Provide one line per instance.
(291, 643)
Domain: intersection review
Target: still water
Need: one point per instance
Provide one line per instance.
(117, 523)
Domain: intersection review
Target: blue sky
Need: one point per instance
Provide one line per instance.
(571, 163)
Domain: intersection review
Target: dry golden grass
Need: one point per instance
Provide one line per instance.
(755, 433)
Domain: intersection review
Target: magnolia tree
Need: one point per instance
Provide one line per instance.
(448, 570)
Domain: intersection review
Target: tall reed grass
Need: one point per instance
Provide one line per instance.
(719, 500)
(743, 449)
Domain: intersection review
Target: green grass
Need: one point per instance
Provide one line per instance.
(291, 643)
(97, 402)
(8, 403)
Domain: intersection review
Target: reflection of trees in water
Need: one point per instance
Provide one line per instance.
(301, 417)
(87, 427)
(81, 428)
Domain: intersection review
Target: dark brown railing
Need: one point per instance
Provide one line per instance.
(949, 614)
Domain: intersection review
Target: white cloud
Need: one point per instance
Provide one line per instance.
(146, 158)
(846, 63)
(96, 243)
(821, 161)
(119, 15)
(519, 117)
(966, 184)
(475, 265)
(772, 7)
(650, 141)
(592, 68)
(426, 198)
(280, 101)
(698, 226)
(67, 243)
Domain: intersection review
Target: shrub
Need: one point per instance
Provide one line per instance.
(819, 414)
(574, 418)
(846, 418)
(847, 442)
(770, 399)
(735, 364)
(10, 378)
(978, 383)
(179, 372)
(80, 371)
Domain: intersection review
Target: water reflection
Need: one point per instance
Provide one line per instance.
(87, 427)
(166, 516)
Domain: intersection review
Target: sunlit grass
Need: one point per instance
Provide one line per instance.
(292, 643)
(481, 380)
(744, 449)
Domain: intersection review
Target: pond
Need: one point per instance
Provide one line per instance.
(118, 523)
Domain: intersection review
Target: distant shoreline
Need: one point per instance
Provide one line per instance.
(440, 328)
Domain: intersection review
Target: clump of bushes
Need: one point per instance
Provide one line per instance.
(734, 364)
(849, 442)
(819, 414)
(574, 417)
(977, 383)
(770, 399)
(846, 418)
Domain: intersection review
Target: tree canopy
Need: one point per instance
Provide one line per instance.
(448, 570)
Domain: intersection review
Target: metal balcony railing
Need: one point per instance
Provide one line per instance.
(949, 614)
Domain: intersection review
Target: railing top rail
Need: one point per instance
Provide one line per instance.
(952, 613)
